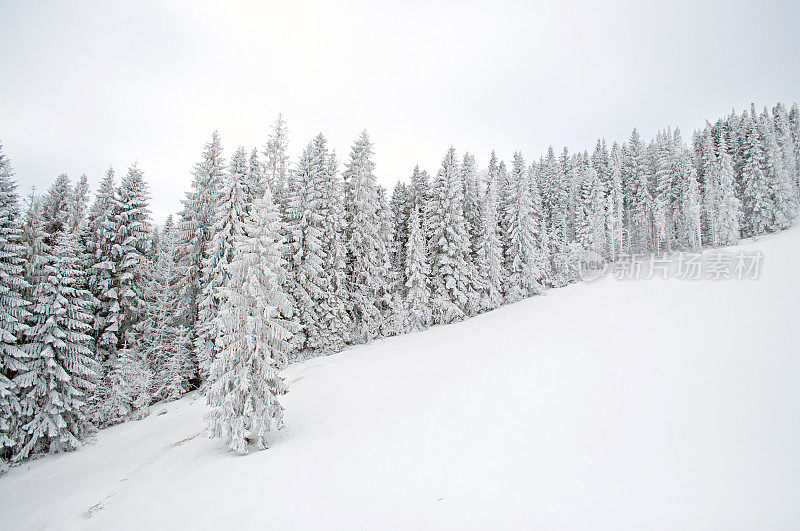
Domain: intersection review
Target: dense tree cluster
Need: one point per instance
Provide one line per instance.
(102, 312)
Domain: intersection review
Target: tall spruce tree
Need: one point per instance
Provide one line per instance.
(311, 285)
(13, 311)
(522, 260)
(195, 227)
(449, 244)
(757, 202)
(60, 370)
(418, 311)
(244, 383)
(365, 268)
(230, 211)
(489, 257)
(276, 163)
(129, 376)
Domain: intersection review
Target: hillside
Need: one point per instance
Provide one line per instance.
(615, 404)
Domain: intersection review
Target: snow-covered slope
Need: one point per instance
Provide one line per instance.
(639, 405)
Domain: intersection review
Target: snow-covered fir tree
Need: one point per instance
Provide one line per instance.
(794, 130)
(474, 227)
(79, 204)
(757, 203)
(614, 204)
(128, 374)
(418, 311)
(664, 162)
(783, 136)
(56, 206)
(244, 383)
(721, 207)
(729, 213)
(168, 343)
(102, 274)
(13, 311)
(556, 198)
(449, 244)
(686, 219)
(195, 226)
(401, 205)
(256, 178)
(365, 267)
(33, 238)
(522, 256)
(311, 285)
(638, 199)
(590, 222)
(489, 253)
(229, 213)
(390, 299)
(276, 163)
(60, 369)
(779, 180)
(337, 319)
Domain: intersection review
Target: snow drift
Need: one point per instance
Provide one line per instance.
(616, 404)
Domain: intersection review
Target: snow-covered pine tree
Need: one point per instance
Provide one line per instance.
(418, 311)
(556, 201)
(56, 207)
(449, 245)
(256, 178)
(474, 228)
(33, 239)
(535, 173)
(779, 180)
(707, 167)
(168, 348)
(78, 205)
(365, 268)
(794, 129)
(614, 204)
(391, 303)
(504, 189)
(311, 285)
(401, 205)
(128, 373)
(244, 383)
(195, 224)
(590, 222)
(729, 206)
(276, 165)
(420, 196)
(600, 162)
(686, 199)
(60, 370)
(13, 312)
(757, 204)
(786, 143)
(664, 200)
(102, 272)
(337, 319)
(489, 251)
(522, 256)
(229, 213)
(638, 199)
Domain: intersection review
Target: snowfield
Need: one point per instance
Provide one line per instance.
(644, 404)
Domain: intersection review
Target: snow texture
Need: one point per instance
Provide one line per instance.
(588, 407)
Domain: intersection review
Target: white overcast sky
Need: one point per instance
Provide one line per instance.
(90, 84)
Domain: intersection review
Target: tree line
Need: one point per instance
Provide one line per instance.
(103, 312)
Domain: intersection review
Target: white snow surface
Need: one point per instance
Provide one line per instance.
(645, 404)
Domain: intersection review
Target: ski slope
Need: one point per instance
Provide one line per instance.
(646, 404)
